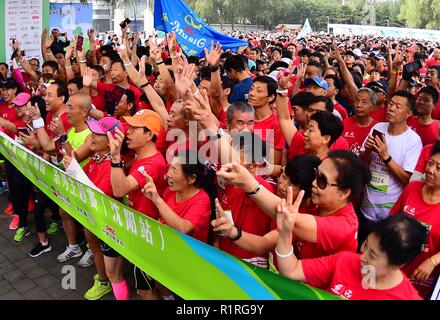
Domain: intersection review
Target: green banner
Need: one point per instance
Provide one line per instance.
(190, 268)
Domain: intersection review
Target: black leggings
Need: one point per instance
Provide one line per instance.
(19, 190)
(42, 202)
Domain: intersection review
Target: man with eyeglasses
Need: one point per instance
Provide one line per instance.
(391, 150)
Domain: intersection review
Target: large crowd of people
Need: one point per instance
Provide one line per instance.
(318, 157)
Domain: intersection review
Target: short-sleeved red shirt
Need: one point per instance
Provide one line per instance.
(336, 232)
(196, 210)
(9, 114)
(156, 167)
(340, 274)
(263, 129)
(428, 133)
(424, 157)
(100, 175)
(355, 135)
(64, 120)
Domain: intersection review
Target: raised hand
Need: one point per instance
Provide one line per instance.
(237, 175)
(149, 190)
(116, 142)
(91, 34)
(284, 81)
(185, 80)
(287, 212)
(57, 127)
(222, 223)
(214, 55)
(34, 112)
(88, 78)
(49, 42)
(155, 51)
(172, 42)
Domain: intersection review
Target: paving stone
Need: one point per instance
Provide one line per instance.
(12, 295)
(24, 285)
(36, 293)
(47, 281)
(13, 275)
(5, 287)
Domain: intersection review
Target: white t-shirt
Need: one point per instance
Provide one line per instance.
(384, 188)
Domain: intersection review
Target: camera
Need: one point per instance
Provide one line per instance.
(411, 68)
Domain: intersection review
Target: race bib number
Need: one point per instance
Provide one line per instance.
(379, 181)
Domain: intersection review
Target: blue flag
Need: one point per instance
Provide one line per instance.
(192, 33)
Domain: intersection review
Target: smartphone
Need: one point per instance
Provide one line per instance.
(377, 133)
(24, 130)
(125, 23)
(79, 43)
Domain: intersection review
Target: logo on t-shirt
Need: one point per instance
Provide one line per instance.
(349, 135)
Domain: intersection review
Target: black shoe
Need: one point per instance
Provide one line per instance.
(39, 249)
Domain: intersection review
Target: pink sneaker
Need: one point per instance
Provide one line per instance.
(14, 223)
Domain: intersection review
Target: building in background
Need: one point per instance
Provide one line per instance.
(107, 17)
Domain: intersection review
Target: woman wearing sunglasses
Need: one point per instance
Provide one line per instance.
(339, 180)
(373, 275)
(299, 174)
(421, 199)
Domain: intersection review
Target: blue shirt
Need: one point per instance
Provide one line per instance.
(240, 91)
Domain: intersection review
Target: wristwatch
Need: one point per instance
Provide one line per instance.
(118, 165)
(257, 188)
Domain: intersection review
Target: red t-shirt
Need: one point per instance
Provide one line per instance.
(263, 129)
(156, 167)
(103, 87)
(100, 175)
(196, 210)
(340, 274)
(296, 146)
(379, 114)
(64, 120)
(344, 114)
(10, 115)
(99, 102)
(428, 133)
(424, 157)
(411, 202)
(336, 232)
(354, 134)
(248, 216)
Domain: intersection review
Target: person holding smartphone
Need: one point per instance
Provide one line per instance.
(391, 155)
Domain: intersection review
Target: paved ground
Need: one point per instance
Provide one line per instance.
(40, 278)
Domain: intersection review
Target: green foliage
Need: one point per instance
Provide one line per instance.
(409, 13)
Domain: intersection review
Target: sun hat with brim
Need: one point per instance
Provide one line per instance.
(104, 125)
(146, 119)
(21, 99)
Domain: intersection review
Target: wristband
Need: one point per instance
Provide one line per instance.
(174, 56)
(433, 261)
(214, 68)
(284, 255)
(282, 92)
(127, 64)
(239, 234)
(39, 123)
(118, 165)
(82, 61)
(388, 160)
(252, 193)
(159, 63)
(49, 54)
(68, 67)
(144, 85)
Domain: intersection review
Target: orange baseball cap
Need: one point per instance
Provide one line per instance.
(146, 119)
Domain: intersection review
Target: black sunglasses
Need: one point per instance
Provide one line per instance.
(322, 182)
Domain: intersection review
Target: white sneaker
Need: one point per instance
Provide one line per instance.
(87, 259)
(69, 254)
